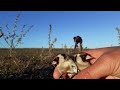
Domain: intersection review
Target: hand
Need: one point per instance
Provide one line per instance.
(106, 64)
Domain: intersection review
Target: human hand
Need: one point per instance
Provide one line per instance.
(106, 64)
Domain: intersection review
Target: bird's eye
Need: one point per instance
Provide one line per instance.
(73, 66)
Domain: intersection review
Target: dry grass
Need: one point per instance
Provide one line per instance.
(28, 63)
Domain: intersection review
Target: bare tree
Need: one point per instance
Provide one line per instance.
(12, 38)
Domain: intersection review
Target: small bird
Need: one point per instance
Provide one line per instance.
(70, 65)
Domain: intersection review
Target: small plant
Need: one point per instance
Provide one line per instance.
(65, 46)
(12, 38)
(51, 44)
(118, 31)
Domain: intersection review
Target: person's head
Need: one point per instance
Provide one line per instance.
(1, 34)
(77, 39)
(74, 38)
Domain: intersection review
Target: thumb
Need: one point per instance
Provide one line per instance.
(99, 69)
(56, 73)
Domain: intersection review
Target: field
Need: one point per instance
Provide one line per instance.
(29, 63)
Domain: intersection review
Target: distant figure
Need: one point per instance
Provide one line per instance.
(78, 39)
(1, 34)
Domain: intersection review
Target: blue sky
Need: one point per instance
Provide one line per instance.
(97, 28)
